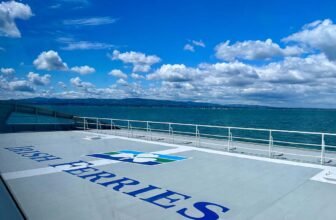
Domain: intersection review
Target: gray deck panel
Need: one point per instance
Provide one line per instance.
(312, 200)
(251, 189)
(75, 198)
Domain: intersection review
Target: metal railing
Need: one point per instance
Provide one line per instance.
(319, 147)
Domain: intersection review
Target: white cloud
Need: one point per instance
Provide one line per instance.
(9, 11)
(86, 45)
(254, 50)
(192, 44)
(141, 68)
(117, 73)
(83, 70)
(38, 80)
(71, 44)
(74, 4)
(294, 81)
(55, 6)
(319, 35)
(189, 47)
(62, 85)
(75, 81)
(78, 83)
(137, 76)
(173, 73)
(50, 60)
(122, 82)
(21, 85)
(94, 21)
(140, 61)
(7, 71)
(198, 43)
(121, 89)
(295, 70)
(235, 74)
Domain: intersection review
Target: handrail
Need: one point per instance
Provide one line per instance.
(215, 126)
(268, 142)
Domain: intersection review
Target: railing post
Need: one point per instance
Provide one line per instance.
(270, 144)
(115, 128)
(128, 128)
(84, 124)
(197, 136)
(111, 125)
(171, 132)
(147, 129)
(322, 149)
(97, 124)
(229, 139)
(169, 128)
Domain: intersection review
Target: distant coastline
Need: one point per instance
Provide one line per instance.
(140, 102)
(133, 102)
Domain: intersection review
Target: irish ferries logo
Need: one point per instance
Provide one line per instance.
(138, 157)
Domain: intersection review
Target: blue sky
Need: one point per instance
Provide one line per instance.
(279, 53)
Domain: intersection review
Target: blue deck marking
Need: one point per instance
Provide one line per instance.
(138, 157)
(31, 153)
(163, 198)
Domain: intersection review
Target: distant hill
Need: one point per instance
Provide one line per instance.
(126, 102)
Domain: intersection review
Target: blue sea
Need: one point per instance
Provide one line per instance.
(320, 120)
(313, 120)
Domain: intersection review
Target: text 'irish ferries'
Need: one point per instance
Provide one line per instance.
(155, 195)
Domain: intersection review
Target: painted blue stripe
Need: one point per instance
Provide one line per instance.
(171, 157)
(103, 156)
(130, 152)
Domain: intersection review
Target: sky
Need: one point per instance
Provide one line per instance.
(274, 53)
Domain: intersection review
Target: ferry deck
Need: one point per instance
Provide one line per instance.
(89, 175)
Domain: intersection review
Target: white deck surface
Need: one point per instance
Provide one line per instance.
(250, 187)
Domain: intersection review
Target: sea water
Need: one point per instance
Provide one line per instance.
(314, 120)
(319, 120)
